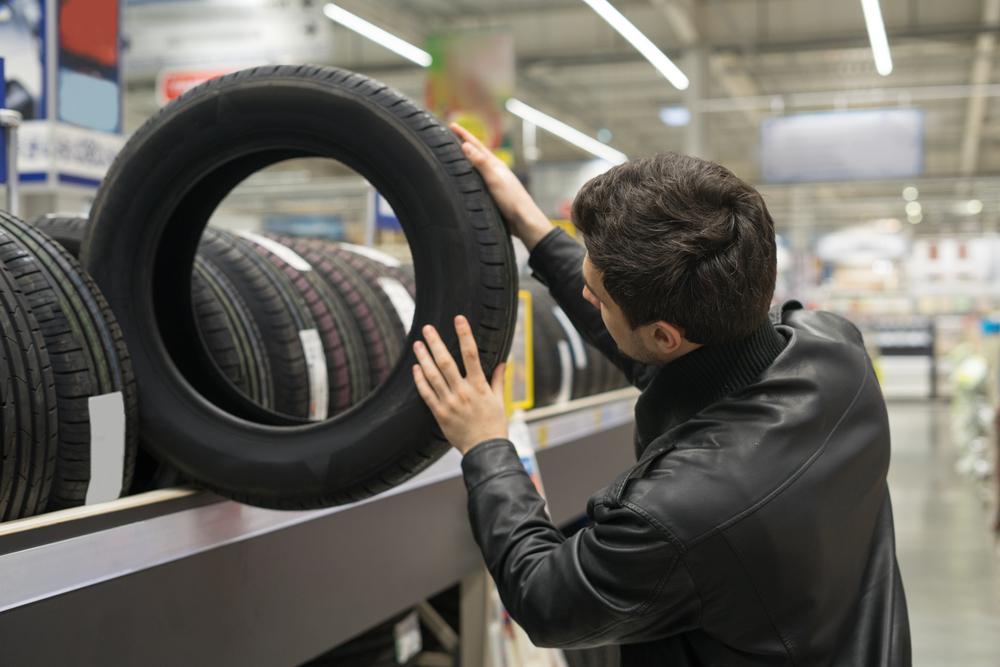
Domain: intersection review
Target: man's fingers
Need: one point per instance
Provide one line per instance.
(467, 136)
(445, 362)
(425, 390)
(470, 353)
(496, 382)
(430, 370)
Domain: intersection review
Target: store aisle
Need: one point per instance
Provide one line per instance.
(950, 565)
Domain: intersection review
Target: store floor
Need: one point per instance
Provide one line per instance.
(949, 561)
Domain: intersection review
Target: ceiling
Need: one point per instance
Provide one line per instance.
(749, 60)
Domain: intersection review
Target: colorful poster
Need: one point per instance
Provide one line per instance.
(470, 80)
(88, 78)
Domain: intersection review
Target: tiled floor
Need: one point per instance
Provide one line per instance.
(947, 554)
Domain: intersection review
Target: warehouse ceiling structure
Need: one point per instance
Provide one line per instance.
(748, 62)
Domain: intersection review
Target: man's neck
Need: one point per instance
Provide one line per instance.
(701, 377)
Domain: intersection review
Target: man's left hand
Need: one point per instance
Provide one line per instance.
(469, 409)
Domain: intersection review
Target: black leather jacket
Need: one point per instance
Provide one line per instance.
(757, 531)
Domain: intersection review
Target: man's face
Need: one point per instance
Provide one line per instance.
(627, 338)
(653, 343)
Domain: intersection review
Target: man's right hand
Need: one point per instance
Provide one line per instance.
(525, 219)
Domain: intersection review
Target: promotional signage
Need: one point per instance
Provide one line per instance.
(64, 76)
(171, 84)
(469, 81)
(843, 146)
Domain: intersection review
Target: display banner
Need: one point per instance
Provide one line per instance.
(469, 81)
(64, 76)
(843, 146)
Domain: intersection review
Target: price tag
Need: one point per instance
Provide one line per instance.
(408, 640)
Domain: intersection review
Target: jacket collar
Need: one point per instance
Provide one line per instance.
(683, 387)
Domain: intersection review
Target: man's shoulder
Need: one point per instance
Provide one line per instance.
(731, 458)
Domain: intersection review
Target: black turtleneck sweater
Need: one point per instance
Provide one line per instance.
(681, 388)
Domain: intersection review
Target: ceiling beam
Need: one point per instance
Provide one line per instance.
(982, 68)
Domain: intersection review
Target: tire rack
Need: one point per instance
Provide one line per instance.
(183, 577)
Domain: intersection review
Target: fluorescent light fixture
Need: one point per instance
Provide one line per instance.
(643, 45)
(377, 34)
(564, 131)
(877, 36)
(675, 116)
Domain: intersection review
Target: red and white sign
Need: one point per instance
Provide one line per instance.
(171, 84)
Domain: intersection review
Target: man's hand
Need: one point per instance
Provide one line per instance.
(526, 220)
(469, 409)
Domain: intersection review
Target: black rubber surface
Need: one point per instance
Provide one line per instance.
(276, 309)
(152, 209)
(378, 345)
(27, 408)
(67, 230)
(230, 333)
(347, 369)
(84, 342)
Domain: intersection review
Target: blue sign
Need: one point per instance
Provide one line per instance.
(843, 146)
(385, 217)
(315, 226)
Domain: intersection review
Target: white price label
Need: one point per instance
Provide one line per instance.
(401, 300)
(319, 385)
(286, 254)
(372, 253)
(408, 640)
(107, 447)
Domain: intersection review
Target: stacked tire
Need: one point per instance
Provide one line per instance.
(566, 366)
(68, 400)
(306, 328)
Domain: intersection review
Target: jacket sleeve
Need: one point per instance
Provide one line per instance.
(620, 580)
(557, 262)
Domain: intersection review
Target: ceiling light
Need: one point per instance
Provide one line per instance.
(604, 134)
(914, 208)
(916, 219)
(675, 116)
(643, 45)
(377, 34)
(877, 36)
(565, 132)
(973, 207)
(910, 193)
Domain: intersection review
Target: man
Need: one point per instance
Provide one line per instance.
(756, 527)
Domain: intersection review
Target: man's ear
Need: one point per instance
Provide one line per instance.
(667, 338)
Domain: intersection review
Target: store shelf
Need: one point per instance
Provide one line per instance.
(193, 579)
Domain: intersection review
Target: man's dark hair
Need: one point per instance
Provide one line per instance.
(683, 240)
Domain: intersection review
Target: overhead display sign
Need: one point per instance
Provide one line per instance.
(843, 146)
(205, 34)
